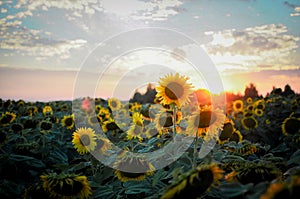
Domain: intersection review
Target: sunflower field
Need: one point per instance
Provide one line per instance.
(54, 149)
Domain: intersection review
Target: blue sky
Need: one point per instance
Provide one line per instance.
(255, 37)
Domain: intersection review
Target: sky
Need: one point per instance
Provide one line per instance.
(61, 50)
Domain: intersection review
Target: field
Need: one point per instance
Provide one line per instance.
(69, 149)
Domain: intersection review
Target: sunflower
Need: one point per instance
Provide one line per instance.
(163, 121)
(45, 126)
(195, 183)
(256, 173)
(125, 164)
(68, 121)
(17, 127)
(249, 100)
(135, 131)
(92, 120)
(109, 125)
(174, 89)
(84, 140)
(205, 120)
(250, 107)
(7, 118)
(103, 144)
(98, 108)
(47, 110)
(249, 123)
(260, 104)
(227, 132)
(114, 104)
(135, 107)
(103, 114)
(238, 105)
(259, 112)
(137, 118)
(66, 186)
(236, 136)
(290, 125)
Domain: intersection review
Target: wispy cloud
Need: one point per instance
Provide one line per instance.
(254, 46)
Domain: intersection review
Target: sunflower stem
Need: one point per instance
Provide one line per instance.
(195, 155)
(174, 121)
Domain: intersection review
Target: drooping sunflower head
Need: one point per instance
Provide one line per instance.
(125, 164)
(45, 126)
(174, 89)
(249, 123)
(236, 136)
(195, 183)
(290, 125)
(227, 132)
(47, 110)
(68, 121)
(109, 125)
(114, 104)
(256, 173)
(66, 186)
(7, 118)
(205, 120)
(17, 127)
(260, 104)
(84, 140)
(238, 105)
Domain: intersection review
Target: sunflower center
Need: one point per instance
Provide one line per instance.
(67, 188)
(234, 137)
(112, 126)
(227, 131)
(174, 91)
(205, 179)
(292, 126)
(205, 119)
(69, 121)
(238, 105)
(85, 140)
(113, 104)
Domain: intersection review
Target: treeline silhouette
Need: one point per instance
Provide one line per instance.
(250, 91)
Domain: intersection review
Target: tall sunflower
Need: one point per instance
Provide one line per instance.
(7, 118)
(84, 140)
(174, 89)
(195, 183)
(205, 120)
(125, 164)
(68, 121)
(114, 104)
(290, 125)
(66, 186)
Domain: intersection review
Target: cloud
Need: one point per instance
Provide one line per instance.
(260, 45)
(295, 7)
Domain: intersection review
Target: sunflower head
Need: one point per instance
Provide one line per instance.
(195, 183)
(135, 131)
(236, 136)
(114, 104)
(249, 100)
(249, 123)
(163, 120)
(47, 110)
(205, 120)
(66, 186)
(45, 126)
(227, 132)
(7, 118)
(109, 125)
(84, 140)
(68, 121)
(259, 112)
(174, 89)
(238, 105)
(125, 164)
(290, 125)
(17, 127)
